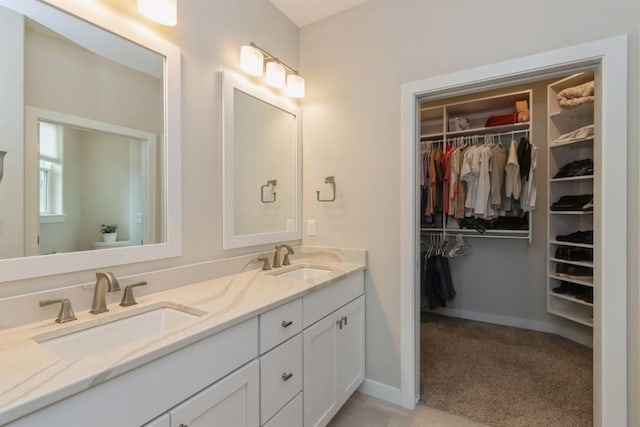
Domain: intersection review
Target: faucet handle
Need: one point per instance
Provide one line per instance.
(66, 313)
(128, 298)
(265, 265)
(285, 260)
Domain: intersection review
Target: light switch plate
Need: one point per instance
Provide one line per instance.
(291, 225)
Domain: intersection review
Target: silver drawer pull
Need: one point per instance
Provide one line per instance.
(286, 323)
(183, 425)
(285, 376)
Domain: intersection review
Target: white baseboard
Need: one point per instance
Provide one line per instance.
(381, 391)
(534, 325)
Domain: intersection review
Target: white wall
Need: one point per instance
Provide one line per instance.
(355, 63)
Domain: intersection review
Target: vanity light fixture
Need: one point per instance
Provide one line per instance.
(252, 61)
(163, 12)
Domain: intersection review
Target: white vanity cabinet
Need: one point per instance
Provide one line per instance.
(293, 365)
(333, 351)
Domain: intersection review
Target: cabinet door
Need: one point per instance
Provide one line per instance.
(232, 401)
(319, 355)
(350, 349)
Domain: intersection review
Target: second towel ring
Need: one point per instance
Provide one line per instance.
(328, 180)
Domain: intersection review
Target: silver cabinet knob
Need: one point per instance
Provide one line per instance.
(286, 323)
(339, 323)
(345, 320)
(286, 377)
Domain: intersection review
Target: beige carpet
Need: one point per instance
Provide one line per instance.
(503, 376)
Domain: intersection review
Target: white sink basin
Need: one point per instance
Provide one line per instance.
(71, 343)
(303, 273)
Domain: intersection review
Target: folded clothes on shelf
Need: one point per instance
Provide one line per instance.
(583, 202)
(585, 237)
(458, 123)
(580, 133)
(576, 168)
(584, 293)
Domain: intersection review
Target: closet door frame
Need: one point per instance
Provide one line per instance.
(609, 56)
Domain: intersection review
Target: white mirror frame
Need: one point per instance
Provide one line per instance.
(44, 265)
(231, 81)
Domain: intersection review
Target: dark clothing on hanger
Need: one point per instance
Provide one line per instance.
(524, 158)
(436, 286)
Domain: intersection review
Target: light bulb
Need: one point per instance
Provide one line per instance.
(295, 86)
(276, 74)
(251, 60)
(164, 12)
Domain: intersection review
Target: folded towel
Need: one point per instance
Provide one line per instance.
(581, 133)
(577, 95)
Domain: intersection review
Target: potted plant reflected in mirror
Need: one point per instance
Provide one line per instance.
(109, 232)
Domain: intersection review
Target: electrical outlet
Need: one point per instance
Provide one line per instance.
(311, 227)
(138, 217)
(291, 225)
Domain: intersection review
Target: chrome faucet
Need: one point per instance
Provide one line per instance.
(105, 281)
(276, 256)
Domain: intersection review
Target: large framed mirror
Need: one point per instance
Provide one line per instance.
(261, 163)
(90, 120)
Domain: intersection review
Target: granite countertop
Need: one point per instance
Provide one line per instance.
(33, 377)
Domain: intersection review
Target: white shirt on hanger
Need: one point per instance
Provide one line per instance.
(512, 172)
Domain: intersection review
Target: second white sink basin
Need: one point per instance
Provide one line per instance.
(303, 273)
(153, 323)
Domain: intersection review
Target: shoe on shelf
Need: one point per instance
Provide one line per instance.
(573, 271)
(585, 237)
(583, 202)
(581, 292)
(575, 168)
(571, 253)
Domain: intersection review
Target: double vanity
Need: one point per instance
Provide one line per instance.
(283, 347)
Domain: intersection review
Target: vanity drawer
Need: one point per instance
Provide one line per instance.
(280, 377)
(328, 299)
(280, 324)
(289, 416)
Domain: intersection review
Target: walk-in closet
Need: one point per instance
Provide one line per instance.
(508, 246)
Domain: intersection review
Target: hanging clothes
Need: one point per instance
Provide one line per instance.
(436, 283)
(529, 191)
(498, 162)
(512, 184)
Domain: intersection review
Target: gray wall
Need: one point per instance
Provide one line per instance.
(355, 64)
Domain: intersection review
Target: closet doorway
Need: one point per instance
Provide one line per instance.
(606, 59)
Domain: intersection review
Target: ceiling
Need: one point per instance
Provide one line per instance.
(303, 12)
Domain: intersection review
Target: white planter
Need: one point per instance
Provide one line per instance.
(109, 237)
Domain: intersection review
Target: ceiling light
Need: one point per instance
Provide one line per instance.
(163, 12)
(295, 86)
(276, 74)
(252, 61)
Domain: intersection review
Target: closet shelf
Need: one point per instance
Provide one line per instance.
(564, 261)
(490, 129)
(432, 135)
(571, 142)
(582, 110)
(576, 318)
(585, 282)
(578, 213)
(570, 298)
(578, 245)
(573, 178)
